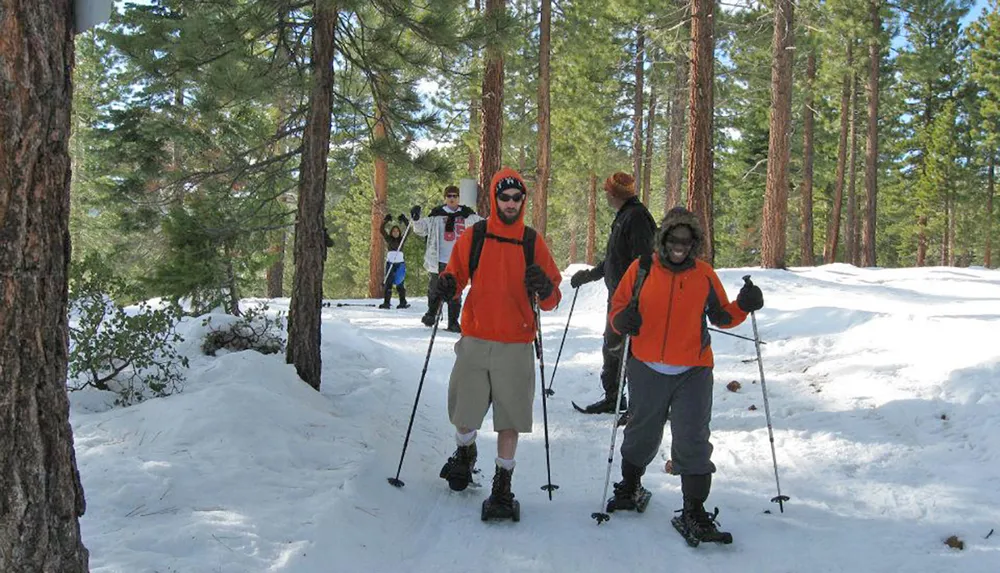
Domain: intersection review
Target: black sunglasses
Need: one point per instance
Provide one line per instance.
(451, 196)
(516, 197)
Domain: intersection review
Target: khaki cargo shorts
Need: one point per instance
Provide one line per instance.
(497, 373)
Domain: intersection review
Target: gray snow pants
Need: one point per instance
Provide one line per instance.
(688, 398)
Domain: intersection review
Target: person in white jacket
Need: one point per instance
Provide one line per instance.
(442, 227)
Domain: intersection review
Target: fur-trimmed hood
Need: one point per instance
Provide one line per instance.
(674, 218)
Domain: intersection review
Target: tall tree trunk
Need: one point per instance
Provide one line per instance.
(376, 258)
(775, 221)
(949, 231)
(307, 283)
(943, 261)
(921, 240)
(592, 218)
(700, 151)
(474, 110)
(539, 213)
(647, 168)
(871, 143)
(851, 231)
(491, 136)
(833, 223)
(640, 52)
(276, 272)
(41, 497)
(990, 179)
(573, 242)
(808, 121)
(678, 129)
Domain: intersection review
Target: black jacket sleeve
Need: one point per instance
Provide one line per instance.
(640, 234)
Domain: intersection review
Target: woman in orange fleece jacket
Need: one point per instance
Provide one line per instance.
(495, 362)
(670, 368)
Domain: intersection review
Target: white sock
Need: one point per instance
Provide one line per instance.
(465, 439)
(506, 464)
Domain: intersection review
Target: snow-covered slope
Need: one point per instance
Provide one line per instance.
(883, 386)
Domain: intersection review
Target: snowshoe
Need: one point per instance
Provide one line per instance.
(428, 319)
(623, 500)
(501, 503)
(385, 305)
(403, 305)
(454, 327)
(697, 525)
(605, 405)
(457, 471)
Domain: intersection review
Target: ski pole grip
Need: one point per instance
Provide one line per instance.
(746, 280)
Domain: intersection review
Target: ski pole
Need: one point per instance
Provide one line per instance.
(549, 391)
(545, 412)
(601, 516)
(734, 335)
(780, 499)
(339, 304)
(396, 481)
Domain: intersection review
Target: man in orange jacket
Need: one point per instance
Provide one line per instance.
(495, 361)
(670, 367)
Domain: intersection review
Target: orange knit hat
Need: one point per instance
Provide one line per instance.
(620, 185)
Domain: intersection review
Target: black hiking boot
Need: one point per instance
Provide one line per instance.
(606, 405)
(454, 327)
(402, 304)
(501, 503)
(427, 319)
(459, 467)
(702, 525)
(629, 493)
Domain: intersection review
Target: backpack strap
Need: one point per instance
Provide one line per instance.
(479, 236)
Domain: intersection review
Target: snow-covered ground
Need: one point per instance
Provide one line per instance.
(883, 386)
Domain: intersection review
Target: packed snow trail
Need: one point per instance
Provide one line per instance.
(882, 385)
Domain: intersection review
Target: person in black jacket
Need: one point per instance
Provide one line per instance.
(631, 237)
(395, 268)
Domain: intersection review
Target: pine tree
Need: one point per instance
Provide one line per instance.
(41, 499)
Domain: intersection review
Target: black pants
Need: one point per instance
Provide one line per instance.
(433, 301)
(611, 349)
(390, 272)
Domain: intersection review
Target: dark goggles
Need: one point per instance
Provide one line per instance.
(516, 197)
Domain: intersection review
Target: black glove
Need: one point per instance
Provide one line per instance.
(580, 278)
(386, 219)
(750, 298)
(537, 282)
(403, 220)
(446, 287)
(628, 320)
(415, 213)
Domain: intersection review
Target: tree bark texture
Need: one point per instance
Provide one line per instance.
(702, 105)
(573, 242)
(807, 257)
(276, 272)
(678, 129)
(41, 497)
(851, 230)
(871, 141)
(376, 260)
(775, 216)
(307, 284)
(640, 52)
(990, 185)
(833, 222)
(647, 160)
(474, 110)
(592, 218)
(491, 136)
(539, 214)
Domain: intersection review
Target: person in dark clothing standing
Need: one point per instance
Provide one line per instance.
(671, 365)
(395, 267)
(631, 236)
